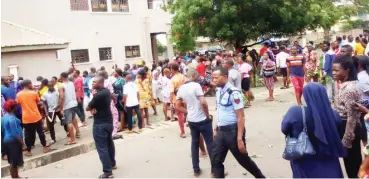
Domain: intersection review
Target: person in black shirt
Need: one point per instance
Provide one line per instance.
(103, 126)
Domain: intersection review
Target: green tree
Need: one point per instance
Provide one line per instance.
(161, 48)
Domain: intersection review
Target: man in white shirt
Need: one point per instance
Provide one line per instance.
(130, 102)
(281, 59)
(234, 77)
(197, 116)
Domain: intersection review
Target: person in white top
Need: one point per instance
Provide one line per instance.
(281, 59)
(130, 101)
(164, 88)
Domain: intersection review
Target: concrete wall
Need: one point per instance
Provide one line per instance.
(91, 30)
(33, 63)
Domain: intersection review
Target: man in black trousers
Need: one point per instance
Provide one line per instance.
(103, 126)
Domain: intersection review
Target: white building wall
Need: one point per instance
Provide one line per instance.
(91, 30)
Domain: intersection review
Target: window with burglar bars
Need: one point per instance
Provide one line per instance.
(105, 53)
(133, 51)
(99, 5)
(119, 5)
(80, 56)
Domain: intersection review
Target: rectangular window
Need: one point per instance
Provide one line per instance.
(105, 53)
(133, 51)
(99, 5)
(119, 6)
(80, 56)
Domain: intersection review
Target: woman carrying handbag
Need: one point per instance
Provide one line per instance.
(322, 125)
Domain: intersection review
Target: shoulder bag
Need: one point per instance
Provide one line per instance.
(299, 147)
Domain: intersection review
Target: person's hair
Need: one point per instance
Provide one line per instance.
(85, 72)
(242, 56)
(10, 105)
(160, 63)
(64, 75)
(146, 68)
(3, 78)
(223, 71)
(339, 38)
(346, 63)
(266, 44)
(102, 68)
(311, 42)
(119, 71)
(103, 74)
(348, 47)
(365, 41)
(192, 73)
(39, 78)
(20, 78)
(100, 78)
(327, 43)
(77, 71)
(218, 63)
(93, 69)
(174, 67)
(357, 38)
(44, 82)
(229, 62)
(142, 73)
(55, 78)
(166, 71)
(282, 47)
(153, 67)
(26, 83)
(362, 61)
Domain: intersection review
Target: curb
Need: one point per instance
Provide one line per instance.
(52, 157)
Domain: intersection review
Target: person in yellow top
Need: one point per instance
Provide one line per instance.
(359, 49)
(43, 88)
(144, 88)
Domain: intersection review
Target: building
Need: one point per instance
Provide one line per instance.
(26, 52)
(100, 32)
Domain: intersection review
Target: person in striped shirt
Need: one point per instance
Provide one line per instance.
(295, 64)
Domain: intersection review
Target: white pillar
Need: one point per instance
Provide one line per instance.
(170, 51)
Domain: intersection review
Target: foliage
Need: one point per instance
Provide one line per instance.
(355, 24)
(161, 48)
(239, 21)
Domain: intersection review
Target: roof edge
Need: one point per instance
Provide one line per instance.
(34, 47)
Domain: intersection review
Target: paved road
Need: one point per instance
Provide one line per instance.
(160, 152)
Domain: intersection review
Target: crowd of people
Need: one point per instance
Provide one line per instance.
(334, 72)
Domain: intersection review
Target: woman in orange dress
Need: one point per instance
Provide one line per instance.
(152, 100)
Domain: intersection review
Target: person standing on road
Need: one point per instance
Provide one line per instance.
(78, 85)
(13, 137)
(198, 117)
(345, 102)
(322, 125)
(245, 70)
(176, 81)
(234, 77)
(281, 60)
(68, 107)
(31, 118)
(268, 73)
(295, 64)
(103, 126)
(230, 131)
(130, 101)
(327, 76)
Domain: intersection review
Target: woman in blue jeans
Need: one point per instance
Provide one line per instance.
(323, 130)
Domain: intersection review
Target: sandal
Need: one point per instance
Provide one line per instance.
(106, 176)
(117, 137)
(52, 142)
(78, 135)
(182, 135)
(70, 143)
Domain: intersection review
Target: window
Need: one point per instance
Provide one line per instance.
(80, 56)
(105, 53)
(119, 5)
(133, 51)
(155, 4)
(109, 5)
(99, 6)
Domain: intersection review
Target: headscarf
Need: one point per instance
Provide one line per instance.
(325, 127)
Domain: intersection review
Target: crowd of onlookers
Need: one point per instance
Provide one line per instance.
(340, 66)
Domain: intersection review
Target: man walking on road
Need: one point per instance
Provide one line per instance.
(234, 77)
(230, 131)
(197, 115)
(103, 126)
(68, 107)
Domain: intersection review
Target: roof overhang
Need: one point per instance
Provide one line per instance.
(34, 47)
